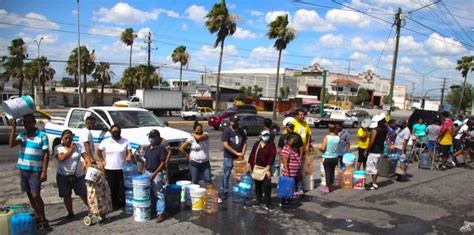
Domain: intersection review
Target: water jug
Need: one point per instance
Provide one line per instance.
(286, 187)
(425, 161)
(384, 167)
(129, 201)
(338, 177)
(237, 197)
(245, 186)
(129, 171)
(240, 168)
(23, 223)
(210, 200)
(347, 177)
(386, 148)
(173, 197)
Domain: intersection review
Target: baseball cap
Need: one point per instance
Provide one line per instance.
(288, 120)
(234, 118)
(376, 119)
(154, 133)
(265, 132)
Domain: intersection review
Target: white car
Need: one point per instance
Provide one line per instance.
(197, 113)
(330, 109)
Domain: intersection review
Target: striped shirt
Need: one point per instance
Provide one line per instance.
(294, 161)
(32, 150)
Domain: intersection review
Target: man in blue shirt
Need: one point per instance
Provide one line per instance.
(33, 160)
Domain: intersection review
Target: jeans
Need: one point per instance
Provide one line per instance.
(200, 171)
(117, 188)
(158, 187)
(329, 169)
(228, 165)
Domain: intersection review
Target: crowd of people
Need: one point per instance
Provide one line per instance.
(292, 149)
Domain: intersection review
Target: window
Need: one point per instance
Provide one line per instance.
(259, 119)
(250, 119)
(134, 119)
(340, 89)
(1, 121)
(354, 90)
(334, 88)
(76, 120)
(103, 115)
(135, 99)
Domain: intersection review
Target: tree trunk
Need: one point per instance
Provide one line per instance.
(43, 89)
(20, 87)
(462, 93)
(102, 93)
(180, 76)
(219, 76)
(84, 90)
(130, 65)
(33, 88)
(275, 100)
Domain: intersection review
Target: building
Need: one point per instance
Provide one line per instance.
(7, 90)
(174, 83)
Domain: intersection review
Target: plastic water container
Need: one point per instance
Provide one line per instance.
(173, 196)
(92, 174)
(239, 169)
(210, 200)
(129, 171)
(308, 182)
(141, 209)
(183, 184)
(197, 198)
(19, 107)
(23, 223)
(188, 189)
(245, 186)
(347, 177)
(129, 201)
(348, 159)
(236, 196)
(337, 177)
(141, 187)
(323, 174)
(386, 148)
(384, 167)
(5, 220)
(286, 187)
(359, 179)
(425, 161)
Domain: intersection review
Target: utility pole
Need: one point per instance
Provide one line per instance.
(205, 75)
(349, 66)
(398, 23)
(79, 57)
(148, 71)
(442, 92)
(412, 93)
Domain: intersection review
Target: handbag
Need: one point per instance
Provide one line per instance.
(259, 172)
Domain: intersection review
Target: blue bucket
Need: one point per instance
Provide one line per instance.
(173, 197)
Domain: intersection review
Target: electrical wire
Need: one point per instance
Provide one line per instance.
(457, 22)
(385, 46)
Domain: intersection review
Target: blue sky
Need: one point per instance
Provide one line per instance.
(331, 34)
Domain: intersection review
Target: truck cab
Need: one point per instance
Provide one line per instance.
(132, 101)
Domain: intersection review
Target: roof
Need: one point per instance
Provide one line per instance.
(252, 71)
(112, 108)
(345, 82)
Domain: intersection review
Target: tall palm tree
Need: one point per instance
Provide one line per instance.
(279, 30)
(182, 56)
(103, 75)
(14, 65)
(87, 67)
(465, 64)
(128, 37)
(224, 24)
(46, 74)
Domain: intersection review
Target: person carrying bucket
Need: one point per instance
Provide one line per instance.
(155, 164)
(33, 160)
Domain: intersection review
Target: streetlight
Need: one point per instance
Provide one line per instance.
(38, 43)
(423, 77)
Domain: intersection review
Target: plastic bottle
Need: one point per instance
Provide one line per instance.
(347, 177)
(338, 177)
(239, 168)
(210, 200)
(386, 148)
(245, 186)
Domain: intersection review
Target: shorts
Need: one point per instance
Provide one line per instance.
(458, 144)
(67, 184)
(373, 163)
(30, 181)
(432, 145)
(445, 150)
(362, 158)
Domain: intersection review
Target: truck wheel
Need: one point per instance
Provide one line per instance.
(355, 124)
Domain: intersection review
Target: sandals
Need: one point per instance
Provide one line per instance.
(372, 186)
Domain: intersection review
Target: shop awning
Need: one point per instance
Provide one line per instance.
(307, 101)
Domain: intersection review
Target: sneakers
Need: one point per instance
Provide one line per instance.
(284, 205)
(70, 216)
(268, 208)
(324, 190)
(219, 200)
(45, 227)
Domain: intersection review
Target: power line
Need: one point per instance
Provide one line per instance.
(457, 22)
(381, 53)
(425, 6)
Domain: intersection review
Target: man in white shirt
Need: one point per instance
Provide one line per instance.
(459, 141)
(86, 140)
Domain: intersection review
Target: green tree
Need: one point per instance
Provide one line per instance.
(46, 74)
(454, 96)
(103, 75)
(465, 64)
(220, 21)
(284, 93)
(128, 80)
(68, 82)
(256, 91)
(87, 67)
(31, 73)
(279, 30)
(362, 96)
(180, 55)
(13, 67)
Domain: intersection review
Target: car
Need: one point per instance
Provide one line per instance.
(427, 115)
(366, 105)
(215, 120)
(359, 113)
(250, 124)
(245, 108)
(340, 117)
(197, 113)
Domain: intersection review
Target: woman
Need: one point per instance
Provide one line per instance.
(291, 160)
(113, 153)
(69, 172)
(263, 154)
(198, 156)
(419, 129)
(330, 160)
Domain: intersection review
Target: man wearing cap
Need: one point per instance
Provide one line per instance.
(155, 164)
(287, 132)
(376, 146)
(235, 145)
(363, 137)
(400, 147)
(302, 128)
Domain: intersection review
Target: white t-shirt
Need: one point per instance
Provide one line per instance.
(401, 137)
(199, 151)
(115, 152)
(73, 163)
(85, 135)
(464, 128)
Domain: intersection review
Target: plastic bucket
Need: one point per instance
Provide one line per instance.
(183, 184)
(348, 158)
(173, 196)
(188, 189)
(359, 179)
(308, 182)
(141, 187)
(5, 218)
(197, 198)
(141, 210)
(92, 174)
(19, 107)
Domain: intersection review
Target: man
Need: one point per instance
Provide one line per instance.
(376, 146)
(235, 146)
(392, 130)
(446, 138)
(433, 132)
(401, 144)
(363, 137)
(155, 164)
(33, 160)
(344, 143)
(302, 128)
(459, 121)
(87, 140)
(459, 141)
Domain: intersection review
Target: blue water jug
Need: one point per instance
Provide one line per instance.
(286, 187)
(236, 196)
(173, 197)
(386, 148)
(425, 161)
(129, 171)
(23, 223)
(129, 201)
(245, 186)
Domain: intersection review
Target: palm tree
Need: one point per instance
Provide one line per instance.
(14, 65)
(224, 24)
(180, 55)
(87, 67)
(465, 64)
(128, 79)
(128, 37)
(103, 75)
(31, 73)
(279, 30)
(46, 74)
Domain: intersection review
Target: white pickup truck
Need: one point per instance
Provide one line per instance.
(136, 123)
(341, 117)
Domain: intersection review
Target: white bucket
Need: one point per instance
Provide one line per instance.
(92, 174)
(183, 184)
(18, 107)
(141, 187)
(188, 189)
(308, 182)
(141, 210)
(197, 198)
(359, 180)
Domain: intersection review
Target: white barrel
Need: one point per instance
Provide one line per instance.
(188, 189)
(92, 174)
(183, 184)
(18, 107)
(197, 199)
(308, 182)
(141, 210)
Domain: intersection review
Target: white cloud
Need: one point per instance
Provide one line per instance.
(409, 45)
(244, 34)
(443, 62)
(271, 16)
(231, 6)
(444, 45)
(265, 53)
(388, 58)
(256, 13)
(358, 56)
(331, 40)
(357, 43)
(403, 69)
(184, 27)
(143, 32)
(208, 52)
(406, 60)
(196, 13)
(124, 14)
(338, 16)
(105, 30)
(310, 20)
(369, 67)
(32, 20)
(325, 63)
